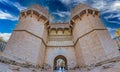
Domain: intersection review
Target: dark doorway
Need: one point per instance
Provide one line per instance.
(60, 62)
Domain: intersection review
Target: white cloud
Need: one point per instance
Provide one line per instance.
(99, 4)
(116, 5)
(106, 6)
(112, 16)
(15, 4)
(116, 22)
(59, 14)
(6, 15)
(68, 2)
(112, 31)
(5, 36)
(112, 7)
(62, 13)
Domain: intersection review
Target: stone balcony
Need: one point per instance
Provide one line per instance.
(57, 40)
(60, 38)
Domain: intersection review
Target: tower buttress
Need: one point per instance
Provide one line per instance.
(92, 41)
(28, 41)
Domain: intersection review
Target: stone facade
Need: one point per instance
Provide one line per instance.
(84, 41)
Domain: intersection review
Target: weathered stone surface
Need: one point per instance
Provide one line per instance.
(68, 52)
(84, 44)
(12, 68)
(92, 41)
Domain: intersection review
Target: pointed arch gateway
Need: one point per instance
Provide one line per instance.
(60, 61)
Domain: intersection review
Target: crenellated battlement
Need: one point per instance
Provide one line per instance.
(41, 14)
(81, 10)
(35, 11)
(85, 12)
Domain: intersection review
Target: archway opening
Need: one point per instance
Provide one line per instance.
(60, 63)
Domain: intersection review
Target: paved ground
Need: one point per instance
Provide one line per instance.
(12, 68)
(113, 67)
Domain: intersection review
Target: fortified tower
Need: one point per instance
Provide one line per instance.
(27, 43)
(92, 41)
(83, 41)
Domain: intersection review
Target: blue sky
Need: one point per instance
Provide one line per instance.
(59, 10)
